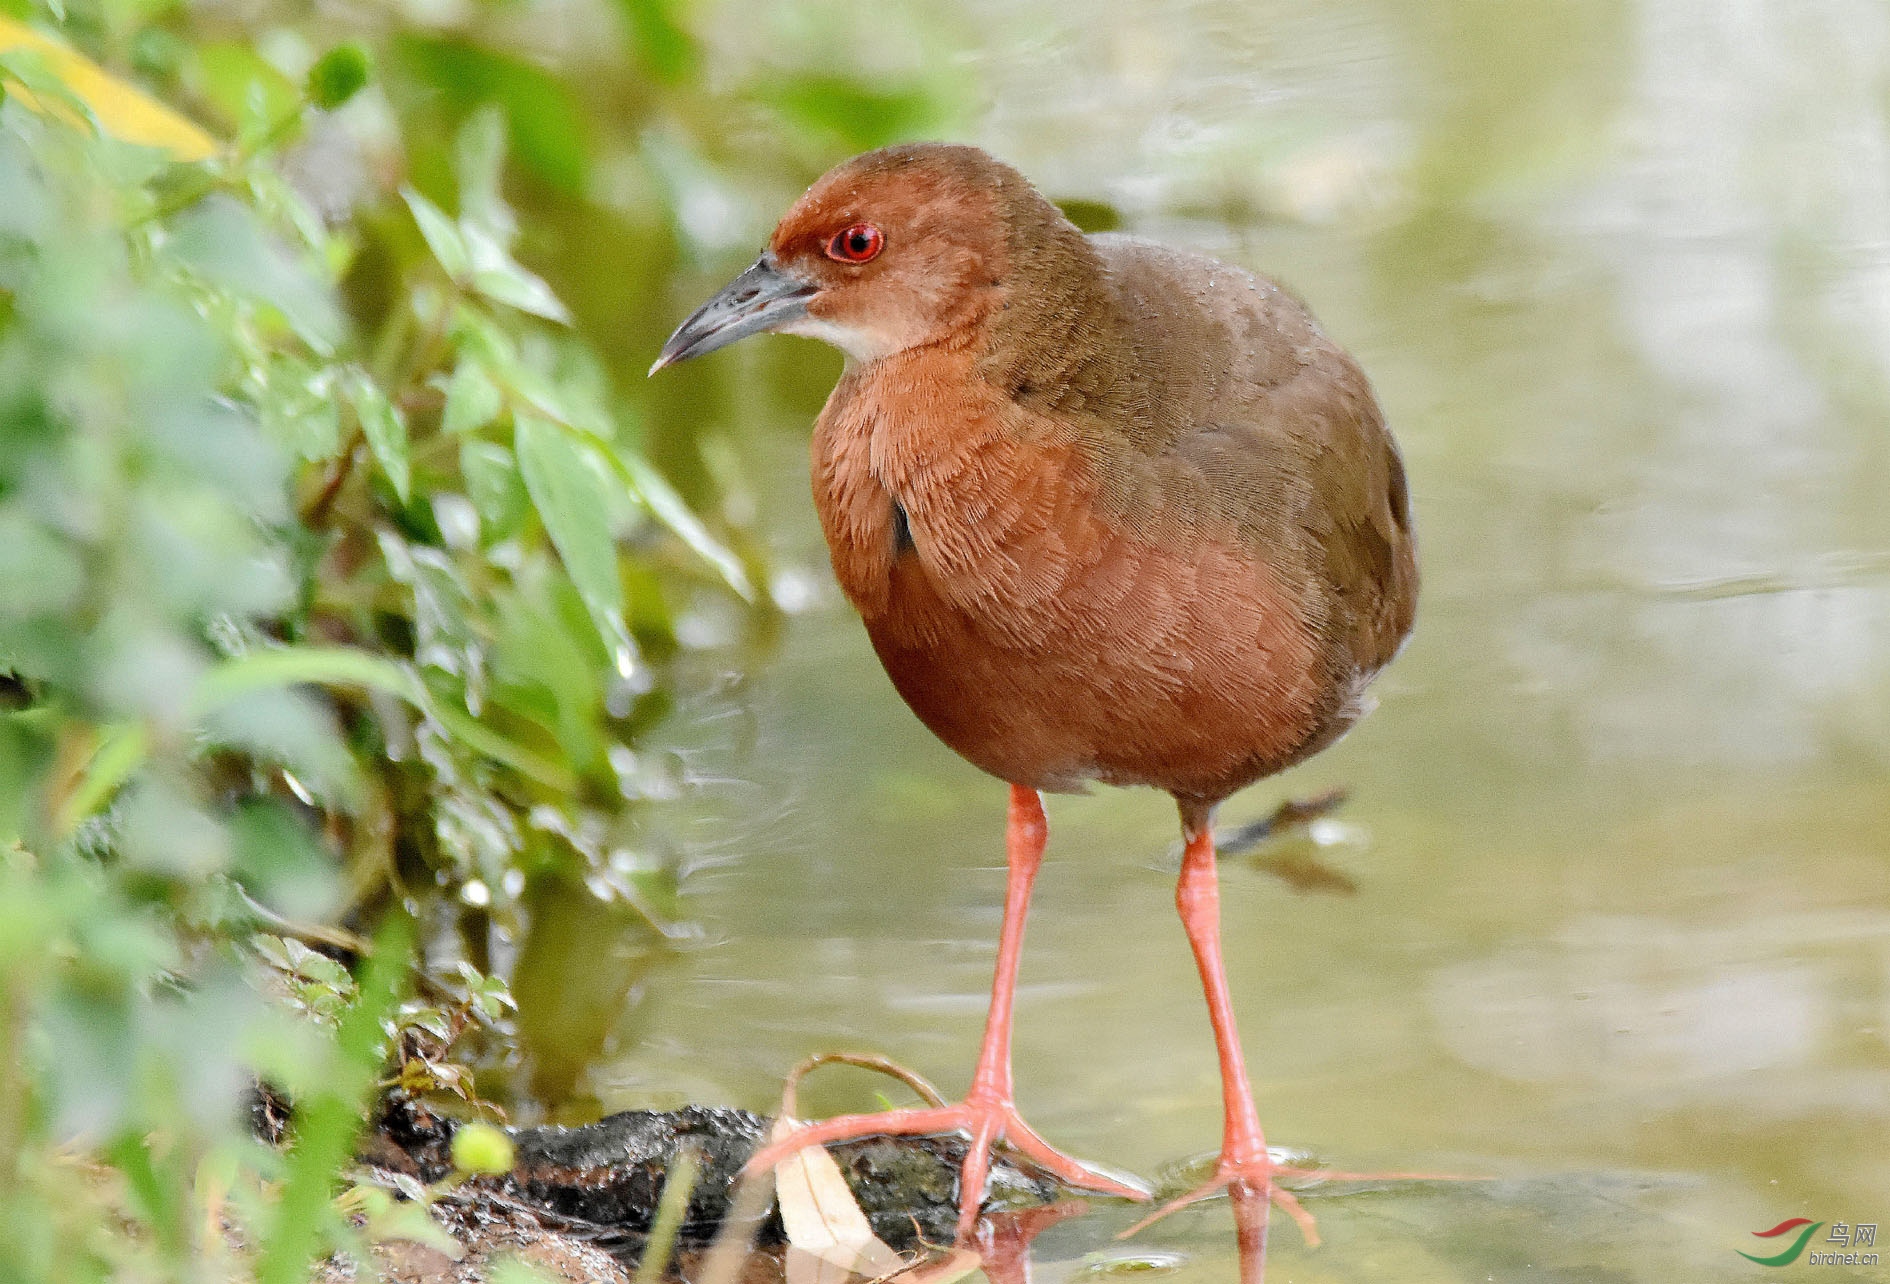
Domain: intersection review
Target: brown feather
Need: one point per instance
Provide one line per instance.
(1158, 531)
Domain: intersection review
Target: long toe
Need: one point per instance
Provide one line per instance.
(1077, 1174)
(1256, 1177)
(988, 1123)
(918, 1122)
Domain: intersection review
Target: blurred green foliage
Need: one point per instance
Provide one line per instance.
(336, 593)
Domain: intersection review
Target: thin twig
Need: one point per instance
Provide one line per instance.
(790, 1087)
(315, 514)
(335, 938)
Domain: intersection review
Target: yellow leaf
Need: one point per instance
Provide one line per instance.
(828, 1236)
(122, 111)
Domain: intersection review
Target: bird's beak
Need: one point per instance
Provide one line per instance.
(762, 298)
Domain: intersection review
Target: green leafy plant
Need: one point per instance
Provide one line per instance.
(337, 593)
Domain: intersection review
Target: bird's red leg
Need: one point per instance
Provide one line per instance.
(988, 1111)
(1245, 1169)
(1244, 1163)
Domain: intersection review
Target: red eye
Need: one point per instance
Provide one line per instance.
(856, 244)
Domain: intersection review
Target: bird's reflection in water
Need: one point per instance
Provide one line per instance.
(1001, 1249)
(1250, 1231)
(1004, 1239)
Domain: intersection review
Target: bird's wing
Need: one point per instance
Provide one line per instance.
(1257, 421)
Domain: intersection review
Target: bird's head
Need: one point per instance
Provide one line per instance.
(888, 251)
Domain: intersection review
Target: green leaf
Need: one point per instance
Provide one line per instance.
(40, 573)
(473, 400)
(299, 410)
(414, 1223)
(514, 1270)
(442, 235)
(164, 830)
(858, 114)
(551, 133)
(248, 92)
(385, 429)
(478, 163)
(1091, 215)
(547, 669)
(120, 751)
(666, 50)
(567, 487)
(478, 737)
(337, 76)
(287, 728)
(281, 861)
(492, 483)
(318, 665)
(329, 1118)
(643, 482)
(19, 775)
(228, 246)
(552, 401)
(499, 277)
(668, 508)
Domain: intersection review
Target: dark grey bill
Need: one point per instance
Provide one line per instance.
(762, 298)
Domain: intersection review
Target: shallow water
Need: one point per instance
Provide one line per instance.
(1620, 828)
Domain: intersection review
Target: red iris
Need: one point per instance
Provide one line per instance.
(856, 244)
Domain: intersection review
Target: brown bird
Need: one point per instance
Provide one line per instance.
(1110, 512)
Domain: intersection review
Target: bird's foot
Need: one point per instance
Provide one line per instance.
(988, 1120)
(1259, 1178)
(1254, 1176)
